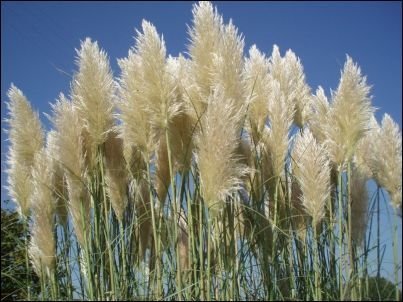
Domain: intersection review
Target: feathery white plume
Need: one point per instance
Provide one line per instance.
(349, 115)
(42, 248)
(149, 95)
(275, 137)
(318, 115)
(26, 140)
(288, 71)
(256, 79)
(386, 160)
(69, 151)
(312, 171)
(219, 168)
(93, 93)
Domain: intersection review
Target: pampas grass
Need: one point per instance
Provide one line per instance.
(312, 171)
(206, 176)
(205, 37)
(42, 246)
(365, 149)
(288, 71)
(69, 154)
(386, 160)
(25, 143)
(134, 129)
(276, 135)
(59, 186)
(318, 115)
(93, 92)
(220, 171)
(257, 85)
(349, 114)
(228, 64)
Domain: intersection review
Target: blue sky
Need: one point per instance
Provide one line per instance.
(38, 41)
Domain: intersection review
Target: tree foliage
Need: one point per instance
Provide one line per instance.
(15, 278)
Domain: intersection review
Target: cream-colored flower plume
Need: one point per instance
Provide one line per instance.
(150, 98)
(365, 149)
(26, 140)
(180, 131)
(386, 161)
(256, 79)
(288, 71)
(69, 152)
(68, 149)
(42, 248)
(216, 52)
(275, 137)
(134, 128)
(312, 171)
(151, 91)
(318, 115)
(220, 170)
(205, 35)
(159, 85)
(349, 116)
(228, 65)
(93, 92)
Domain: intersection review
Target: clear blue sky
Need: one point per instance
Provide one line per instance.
(38, 41)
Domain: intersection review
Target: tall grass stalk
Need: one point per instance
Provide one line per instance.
(27, 266)
(156, 241)
(340, 236)
(316, 244)
(378, 232)
(176, 212)
(350, 238)
(395, 259)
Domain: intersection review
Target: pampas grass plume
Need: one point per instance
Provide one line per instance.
(26, 140)
(386, 161)
(349, 115)
(219, 168)
(42, 247)
(93, 90)
(312, 171)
